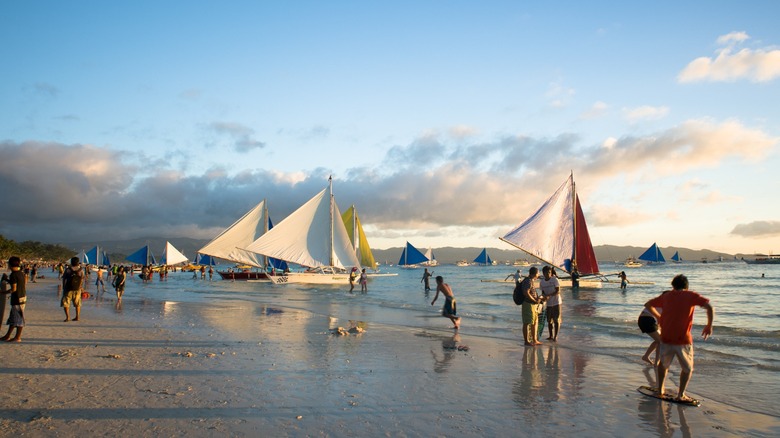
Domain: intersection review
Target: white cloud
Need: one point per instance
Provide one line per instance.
(645, 113)
(730, 64)
(757, 229)
(598, 109)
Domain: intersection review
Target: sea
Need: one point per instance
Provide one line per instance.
(739, 365)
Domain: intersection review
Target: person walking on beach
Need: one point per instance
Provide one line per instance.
(119, 282)
(18, 285)
(450, 309)
(99, 281)
(551, 290)
(530, 307)
(676, 322)
(72, 282)
(426, 278)
(575, 275)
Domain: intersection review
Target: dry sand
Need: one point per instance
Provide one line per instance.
(246, 369)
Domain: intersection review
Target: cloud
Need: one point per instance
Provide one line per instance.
(603, 215)
(77, 192)
(731, 64)
(243, 136)
(47, 89)
(633, 115)
(757, 229)
(559, 95)
(692, 144)
(597, 110)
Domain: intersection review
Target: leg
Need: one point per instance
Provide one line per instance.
(661, 372)
(7, 334)
(557, 327)
(18, 337)
(67, 313)
(78, 312)
(525, 334)
(653, 346)
(686, 362)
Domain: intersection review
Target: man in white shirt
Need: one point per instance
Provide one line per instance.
(551, 290)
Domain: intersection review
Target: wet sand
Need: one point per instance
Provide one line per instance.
(247, 369)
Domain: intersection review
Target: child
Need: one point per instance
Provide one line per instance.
(363, 281)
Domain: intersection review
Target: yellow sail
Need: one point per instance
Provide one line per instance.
(358, 238)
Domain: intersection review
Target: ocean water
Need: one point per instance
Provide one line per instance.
(738, 365)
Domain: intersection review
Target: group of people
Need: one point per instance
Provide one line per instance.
(363, 280)
(667, 318)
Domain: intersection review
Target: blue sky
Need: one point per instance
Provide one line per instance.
(445, 123)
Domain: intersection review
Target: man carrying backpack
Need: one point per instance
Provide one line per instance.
(72, 282)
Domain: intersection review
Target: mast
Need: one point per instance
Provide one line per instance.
(574, 217)
(330, 187)
(264, 218)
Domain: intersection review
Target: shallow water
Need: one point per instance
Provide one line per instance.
(738, 365)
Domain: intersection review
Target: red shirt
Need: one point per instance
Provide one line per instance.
(677, 316)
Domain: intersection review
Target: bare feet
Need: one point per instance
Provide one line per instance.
(684, 398)
(5, 338)
(13, 340)
(528, 344)
(75, 319)
(66, 320)
(537, 343)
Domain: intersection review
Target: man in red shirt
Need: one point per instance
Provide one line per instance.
(676, 322)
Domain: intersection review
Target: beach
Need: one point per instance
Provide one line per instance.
(270, 364)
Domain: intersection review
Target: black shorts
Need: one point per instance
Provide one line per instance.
(647, 324)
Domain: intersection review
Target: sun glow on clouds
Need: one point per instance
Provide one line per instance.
(731, 64)
(634, 115)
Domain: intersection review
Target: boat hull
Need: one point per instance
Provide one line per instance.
(243, 275)
(318, 278)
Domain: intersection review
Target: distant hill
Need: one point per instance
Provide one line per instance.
(603, 253)
(119, 249)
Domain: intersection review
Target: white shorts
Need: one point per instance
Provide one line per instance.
(684, 354)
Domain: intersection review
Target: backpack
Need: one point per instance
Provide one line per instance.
(73, 280)
(518, 296)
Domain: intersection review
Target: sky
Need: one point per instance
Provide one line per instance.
(446, 123)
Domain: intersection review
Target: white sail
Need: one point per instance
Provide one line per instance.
(239, 235)
(171, 255)
(549, 233)
(312, 236)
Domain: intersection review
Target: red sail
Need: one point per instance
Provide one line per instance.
(586, 258)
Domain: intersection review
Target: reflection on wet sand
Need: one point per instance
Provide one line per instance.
(449, 346)
(658, 415)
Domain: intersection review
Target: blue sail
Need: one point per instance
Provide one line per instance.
(143, 256)
(203, 259)
(95, 256)
(653, 254)
(676, 257)
(411, 256)
(483, 258)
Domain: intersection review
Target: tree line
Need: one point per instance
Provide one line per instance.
(29, 250)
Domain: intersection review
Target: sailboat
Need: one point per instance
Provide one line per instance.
(142, 256)
(227, 245)
(676, 257)
(96, 256)
(483, 259)
(653, 255)
(313, 236)
(431, 258)
(358, 238)
(557, 234)
(171, 255)
(411, 257)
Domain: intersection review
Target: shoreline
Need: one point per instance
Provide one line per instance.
(247, 368)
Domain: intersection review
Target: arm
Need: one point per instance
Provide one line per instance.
(710, 316)
(652, 310)
(436, 296)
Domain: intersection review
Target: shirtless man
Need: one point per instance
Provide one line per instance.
(450, 309)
